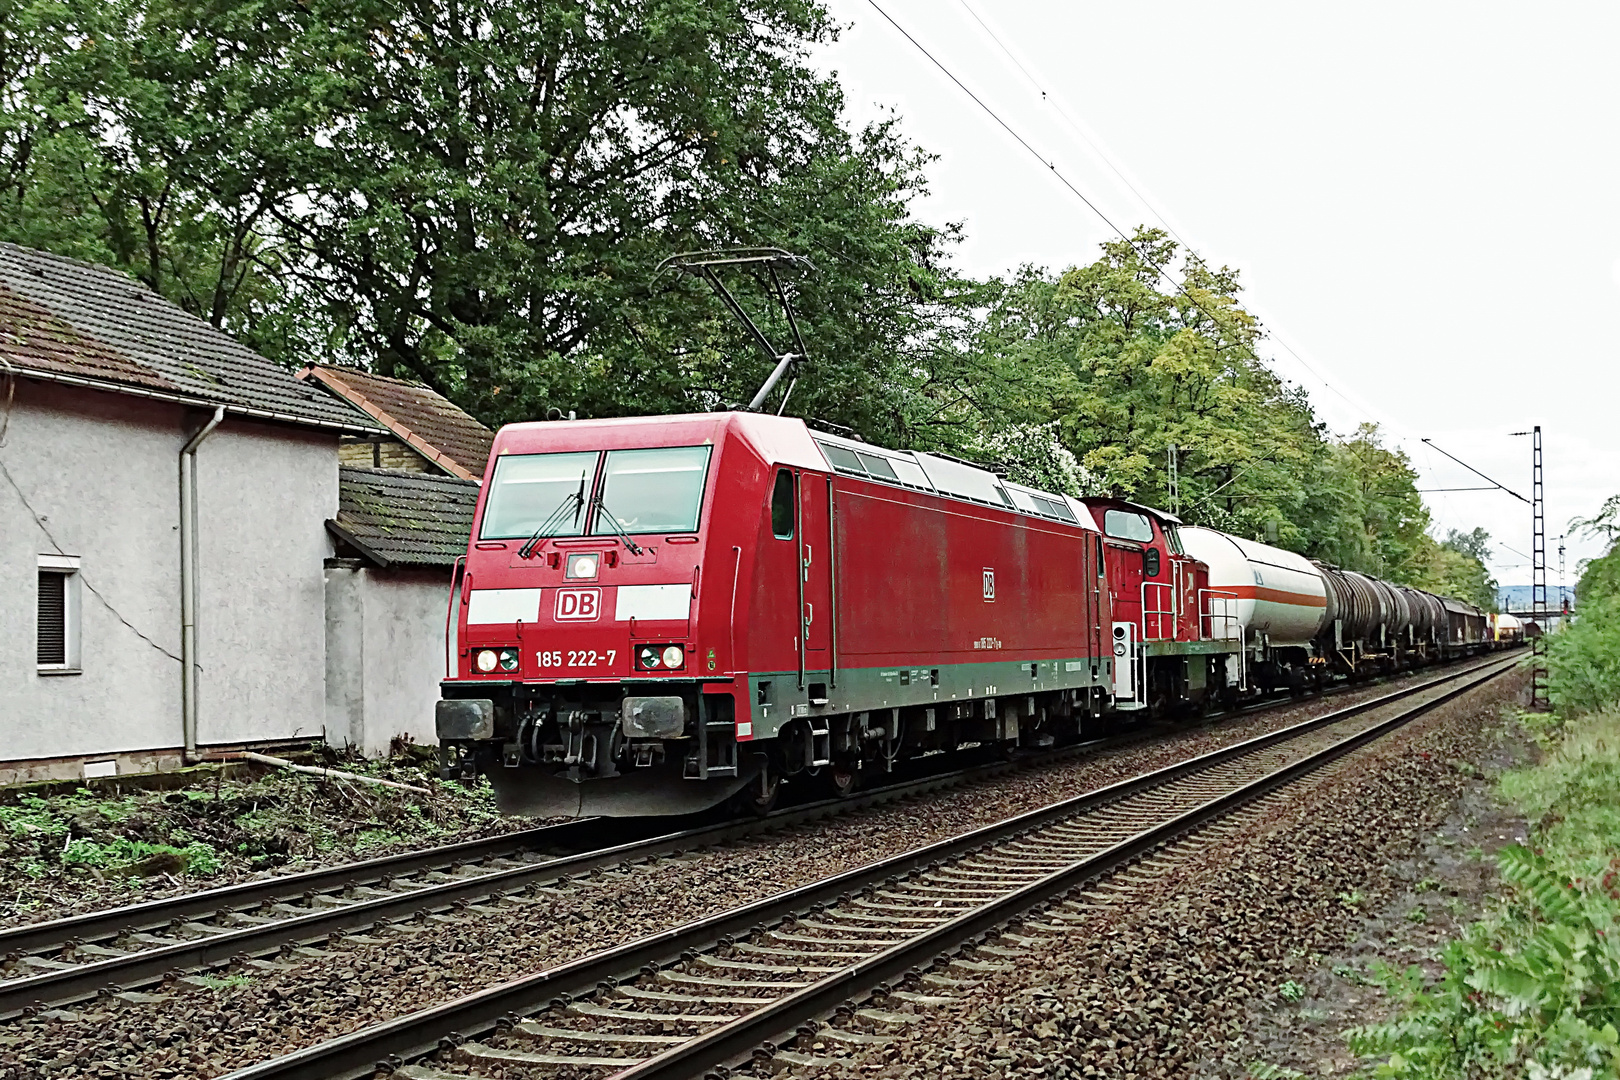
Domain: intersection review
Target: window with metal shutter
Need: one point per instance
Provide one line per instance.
(52, 617)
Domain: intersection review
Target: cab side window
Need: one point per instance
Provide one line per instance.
(782, 505)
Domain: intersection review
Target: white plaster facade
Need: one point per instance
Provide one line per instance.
(385, 653)
(95, 474)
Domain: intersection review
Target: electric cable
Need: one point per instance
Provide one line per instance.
(1074, 126)
(88, 584)
(1053, 169)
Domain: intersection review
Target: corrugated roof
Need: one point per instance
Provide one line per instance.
(404, 519)
(60, 317)
(419, 416)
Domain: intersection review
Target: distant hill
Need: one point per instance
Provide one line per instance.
(1517, 597)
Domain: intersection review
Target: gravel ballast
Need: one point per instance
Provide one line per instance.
(1169, 981)
(259, 1011)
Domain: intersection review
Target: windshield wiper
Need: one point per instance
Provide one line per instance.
(618, 529)
(575, 500)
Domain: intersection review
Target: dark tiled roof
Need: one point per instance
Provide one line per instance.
(62, 317)
(404, 519)
(420, 417)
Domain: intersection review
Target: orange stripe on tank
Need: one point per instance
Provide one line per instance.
(1275, 596)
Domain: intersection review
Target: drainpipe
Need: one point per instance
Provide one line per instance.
(188, 583)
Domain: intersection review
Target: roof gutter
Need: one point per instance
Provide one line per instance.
(200, 403)
(188, 583)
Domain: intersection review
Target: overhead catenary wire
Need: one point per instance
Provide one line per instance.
(1074, 125)
(1476, 472)
(1273, 333)
(1051, 167)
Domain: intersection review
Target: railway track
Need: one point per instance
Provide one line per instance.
(64, 960)
(123, 949)
(915, 928)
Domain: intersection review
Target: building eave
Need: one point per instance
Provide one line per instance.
(382, 561)
(245, 411)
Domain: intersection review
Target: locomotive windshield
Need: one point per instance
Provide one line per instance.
(642, 491)
(1127, 525)
(538, 494)
(646, 491)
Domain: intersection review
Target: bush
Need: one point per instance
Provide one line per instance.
(1583, 660)
(1534, 988)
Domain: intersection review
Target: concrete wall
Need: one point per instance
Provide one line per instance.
(101, 473)
(385, 653)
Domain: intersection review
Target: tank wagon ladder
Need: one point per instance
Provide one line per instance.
(1223, 626)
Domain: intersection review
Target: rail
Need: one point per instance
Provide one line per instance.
(749, 975)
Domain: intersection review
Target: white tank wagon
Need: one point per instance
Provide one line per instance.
(1261, 593)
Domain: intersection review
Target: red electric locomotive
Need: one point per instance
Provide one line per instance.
(658, 614)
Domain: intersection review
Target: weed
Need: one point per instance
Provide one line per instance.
(1265, 1070)
(1352, 899)
(1417, 915)
(1533, 988)
(225, 982)
(1291, 991)
(1428, 884)
(59, 846)
(1350, 973)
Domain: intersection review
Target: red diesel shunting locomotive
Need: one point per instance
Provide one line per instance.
(658, 613)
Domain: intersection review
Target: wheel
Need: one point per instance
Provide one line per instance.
(758, 798)
(843, 780)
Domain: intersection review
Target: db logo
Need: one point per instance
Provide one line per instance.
(580, 605)
(989, 584)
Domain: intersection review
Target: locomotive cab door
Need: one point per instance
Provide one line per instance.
(816, 557)
(1125, 582)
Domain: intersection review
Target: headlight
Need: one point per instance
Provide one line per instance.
(660, 657)
(509, 659)
(486, 660)
(583, 566)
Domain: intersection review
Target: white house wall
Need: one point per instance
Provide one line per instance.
(101, 472)
(263, 495)
(385, 654)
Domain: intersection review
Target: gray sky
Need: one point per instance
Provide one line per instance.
(1422, 199)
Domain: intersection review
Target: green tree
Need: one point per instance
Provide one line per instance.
(1456, 567)
(476, 194)
(1124, 367)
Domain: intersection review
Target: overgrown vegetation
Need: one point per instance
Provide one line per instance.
(1533, 988)
(59, 849)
